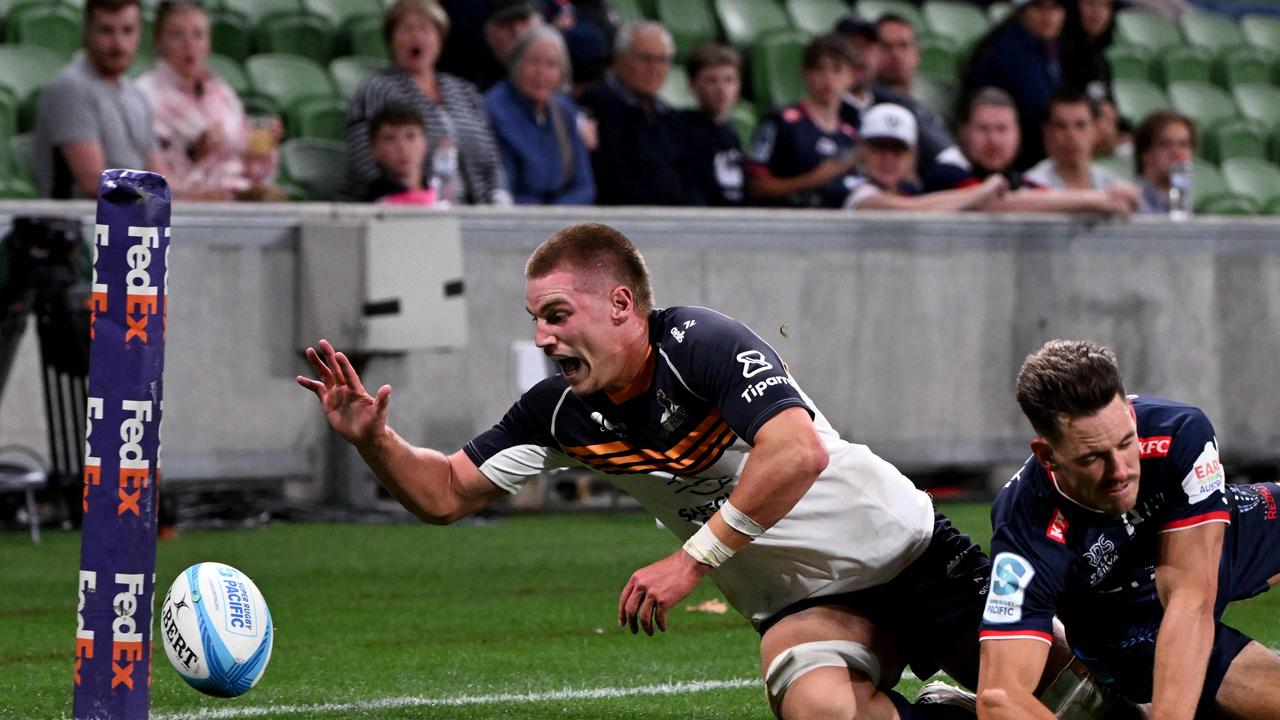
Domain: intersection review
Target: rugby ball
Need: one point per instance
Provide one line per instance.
(216, 629)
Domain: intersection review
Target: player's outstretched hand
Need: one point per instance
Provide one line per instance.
(355, 414)
(655, 589)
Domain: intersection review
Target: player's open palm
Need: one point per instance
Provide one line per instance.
(355, 414)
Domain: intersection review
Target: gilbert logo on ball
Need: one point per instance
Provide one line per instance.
(217, 629)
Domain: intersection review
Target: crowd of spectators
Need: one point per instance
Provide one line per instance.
(514, 101)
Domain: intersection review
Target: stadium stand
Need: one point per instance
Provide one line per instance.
(745, 21)
(775, 69)
(1205, 104)
(26, 69)
(1243, 64)
(1262, 31)
(1183, 63)
(54, 26)
(232, 72)
(286, 79)
(691, 23)
(873, 9)
(1210, 31)
(1129, 62)
(300, 33)
(1135, 99)
(366, 37)
(675, 89)
(1146, 29)
(1252, 177)
(958, 21)
(628, 10)
(939, 58)
(1258, 102)
(309, 163)
(348, 72)
(1233, 138)
(258, 10)
(815, 16)
(317, 117)
(230, 34)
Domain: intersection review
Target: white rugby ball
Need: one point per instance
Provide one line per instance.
(216, 629)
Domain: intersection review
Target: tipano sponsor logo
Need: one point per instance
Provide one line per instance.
(753, 363)
(98, 291)
(92, 463)
(135, 468)
(757, 390)
(141, 300)
(1154, 447)
(84, 636)
(126, 636)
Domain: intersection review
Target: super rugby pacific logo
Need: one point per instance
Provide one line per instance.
(240, 612)
(1010, 576)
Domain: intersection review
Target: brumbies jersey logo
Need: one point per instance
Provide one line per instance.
(707, 382)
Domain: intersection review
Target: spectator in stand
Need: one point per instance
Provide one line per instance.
(200, 125)
(588, 33)
(91, 116)
(862, 35)
(1085, 38)
(899, 58)
(1070, 135)
(712, 150)
(989, 138)
(886, 159)
(537, 124)
(1164, 139)
(637, 159)
(400, 148)
(1021, 56)
(1114, 137)
(452, 110)
(507, 21)
(802, 155)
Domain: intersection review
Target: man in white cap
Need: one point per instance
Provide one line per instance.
(886, 160)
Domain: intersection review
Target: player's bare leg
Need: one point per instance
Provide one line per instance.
(823, 662)
(1251, 688)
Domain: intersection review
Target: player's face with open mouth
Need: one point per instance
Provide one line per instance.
(1095, 459)
(576, 326)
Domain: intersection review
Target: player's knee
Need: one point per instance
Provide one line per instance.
(811, 699)
(992, 702)
(821, 679)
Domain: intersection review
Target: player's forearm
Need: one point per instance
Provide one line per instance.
(1050, 201)
(420, 479)
(1182, 654)
(770, 187)
(1010, 703)
(942, 201)
(775, 478)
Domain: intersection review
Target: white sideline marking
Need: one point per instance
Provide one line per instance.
(679, 688)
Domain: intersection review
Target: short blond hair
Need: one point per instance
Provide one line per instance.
(400, 9)
(597, 248)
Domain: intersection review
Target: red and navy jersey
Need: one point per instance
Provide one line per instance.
(707, 382)
(1096, 571)
(788, 143)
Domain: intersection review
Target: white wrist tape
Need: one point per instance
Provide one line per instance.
(706, 548)
(736, 519)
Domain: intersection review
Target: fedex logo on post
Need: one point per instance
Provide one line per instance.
(98, 291)
(141, 300)
(92, 463)
(126, 637)
(135, 469)
(84, 638)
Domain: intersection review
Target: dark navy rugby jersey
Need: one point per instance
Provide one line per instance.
(707, 382)
(1097, 571)
(788, 143)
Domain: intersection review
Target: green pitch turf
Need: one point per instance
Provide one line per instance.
(513, 618)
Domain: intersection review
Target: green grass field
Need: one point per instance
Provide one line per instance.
(511, 618)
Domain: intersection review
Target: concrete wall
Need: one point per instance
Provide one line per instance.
(907, 330)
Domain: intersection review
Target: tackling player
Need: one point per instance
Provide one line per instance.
(836, 558)
(1122, 524)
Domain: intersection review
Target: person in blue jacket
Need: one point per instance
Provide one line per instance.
(537, 125)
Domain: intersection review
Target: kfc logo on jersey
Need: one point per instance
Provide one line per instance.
(1057, 527)
(753, 363)
(1010, 576)
(1154, 447)
(1206, 476)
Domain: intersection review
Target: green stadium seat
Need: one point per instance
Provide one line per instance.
(939, 58)
(26, 69)
(1204, 103)
(1274, 155)
(1183, 63)
(49, 25)
(317, 166)
(231, 72)
(1212, 31)
(286, 79)
(744, 120)
(1242, 65)
(1252, 177)
(873, 9)
(1228, 204)
(1258, 102)
(17, 188)
(1140, 27)
(1235, 138)
(1206, 180)
(8, 118)
(744, 21)
(341, 12)
(627, 10)
(1272, 207)
(998, 11)
(960, 21)
(258, 10)
(675, 90)
(649, 8)
(775, 69)
(348, 72)
(366, 38)
(691, 23)
(324, 118)
(816, 16)
(937, 95)
(22, 150)
(1136, 99)
(1129, 62)
(255, 104)
(1262, 31)
(230, 34)
(309, 36)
